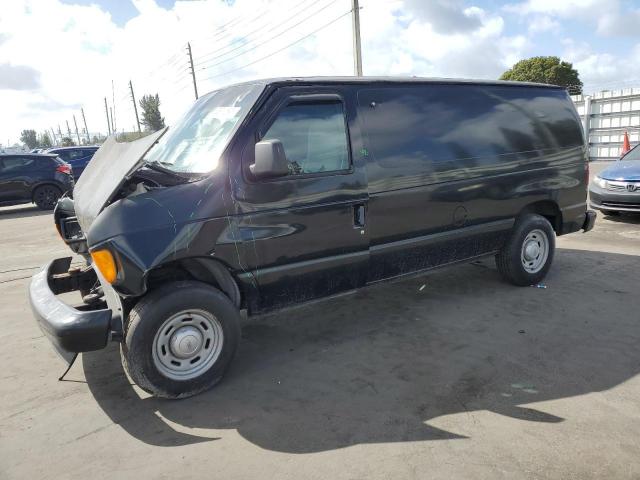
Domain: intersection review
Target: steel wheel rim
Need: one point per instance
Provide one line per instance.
(187, 344)
(535, 251)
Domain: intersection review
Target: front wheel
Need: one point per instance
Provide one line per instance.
(526, 257)
(180, 339)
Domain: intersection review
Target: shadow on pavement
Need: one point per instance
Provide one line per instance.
(22, 211)
(379, 366)
(623, 217)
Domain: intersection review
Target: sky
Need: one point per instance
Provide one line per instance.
(60, 56)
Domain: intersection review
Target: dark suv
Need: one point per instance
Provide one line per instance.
(36, 178)
(77, 157)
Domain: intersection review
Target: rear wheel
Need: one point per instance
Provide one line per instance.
(180, 339)
(526, 257)
(46, 196)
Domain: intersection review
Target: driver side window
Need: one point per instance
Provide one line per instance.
(314, 137)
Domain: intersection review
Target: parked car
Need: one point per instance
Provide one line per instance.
(278, 192)
(36, 178)
(617, 188)
(77, 157)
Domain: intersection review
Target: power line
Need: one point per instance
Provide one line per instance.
(279, 34)
(201, 61)
(280, 49)
(223, 28)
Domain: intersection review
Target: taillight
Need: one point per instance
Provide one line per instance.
(64, 168)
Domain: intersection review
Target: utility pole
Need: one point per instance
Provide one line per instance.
(135, 107)
(106, 111)
(193, 72)
(76, 125)
(357, 50)
(86, 130)
(113, 102)
(113, 122)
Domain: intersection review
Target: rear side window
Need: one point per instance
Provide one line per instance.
(16, 164)
(314, 137)
(423, 130)
(68, 155)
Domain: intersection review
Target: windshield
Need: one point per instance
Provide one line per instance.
(634, 154)
(196, 141)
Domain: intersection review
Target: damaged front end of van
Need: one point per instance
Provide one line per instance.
(143, 214)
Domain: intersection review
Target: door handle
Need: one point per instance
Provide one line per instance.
(358, 215)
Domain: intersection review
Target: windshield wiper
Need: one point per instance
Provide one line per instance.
(158, 167)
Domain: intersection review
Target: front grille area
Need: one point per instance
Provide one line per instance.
(617, 186)
(626, 205)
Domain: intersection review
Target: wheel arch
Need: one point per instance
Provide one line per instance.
(205, 270)
(547, 209)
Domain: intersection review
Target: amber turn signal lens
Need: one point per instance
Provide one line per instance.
(106, 264)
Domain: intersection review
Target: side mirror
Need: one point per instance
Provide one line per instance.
(270, 160)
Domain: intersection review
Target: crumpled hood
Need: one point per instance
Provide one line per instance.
(105, 174)
(624, 170)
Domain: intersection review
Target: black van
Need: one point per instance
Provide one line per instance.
(277, 192)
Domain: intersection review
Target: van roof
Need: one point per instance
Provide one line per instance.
(376, 80)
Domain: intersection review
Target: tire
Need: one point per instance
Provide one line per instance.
(157, 324)
(526, 257)
(46, 196)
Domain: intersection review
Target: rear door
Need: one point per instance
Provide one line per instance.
(304, 235)
(16, 177)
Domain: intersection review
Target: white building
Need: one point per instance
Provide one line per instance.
(605, 117)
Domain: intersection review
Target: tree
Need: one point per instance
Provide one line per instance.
(549, 70)
(151, 117)
(29, 138)
(45, 141)
(67, 142)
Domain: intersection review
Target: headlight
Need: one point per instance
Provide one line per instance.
(601, 182)
(104, 261)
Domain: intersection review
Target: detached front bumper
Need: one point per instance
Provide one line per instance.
(70, 330)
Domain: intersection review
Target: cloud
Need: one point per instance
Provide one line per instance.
(18, 77)
(543, 23)
(51, 105)
(600, 71)
(561, 8)
(445, 16)
(619, 24)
